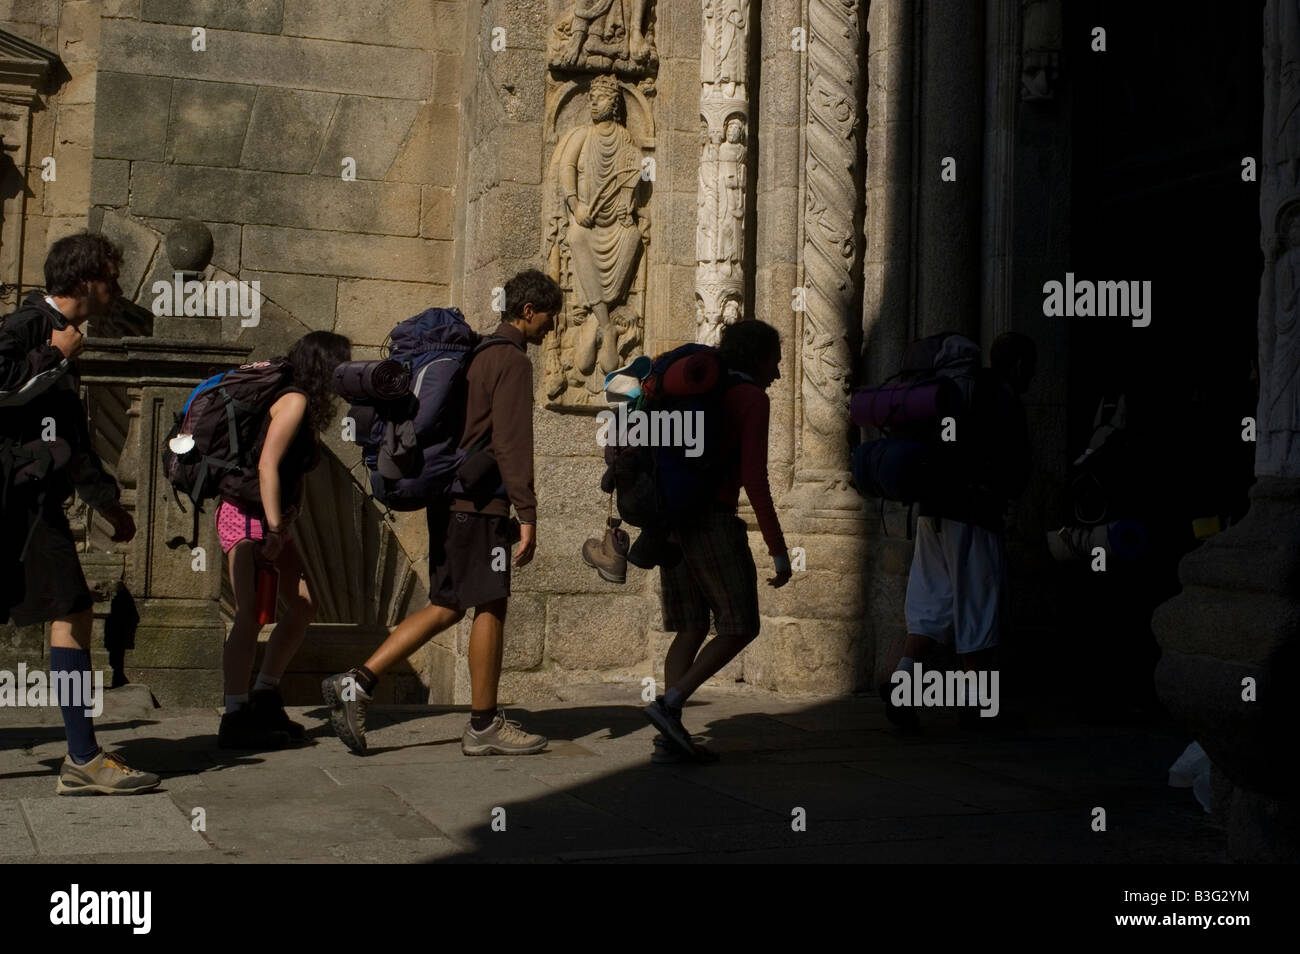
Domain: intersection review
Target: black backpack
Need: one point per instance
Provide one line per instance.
(210, 450)
(657, 485)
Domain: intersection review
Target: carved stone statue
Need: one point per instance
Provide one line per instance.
(731, 214)
(724, 58)
(599, 231)
(706, 242)
(603, 35)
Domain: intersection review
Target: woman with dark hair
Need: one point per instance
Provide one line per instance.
(289, 447)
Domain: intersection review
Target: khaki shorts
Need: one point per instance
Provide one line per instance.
(716, 577)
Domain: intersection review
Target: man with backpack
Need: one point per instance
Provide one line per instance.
(471, 531)
(716, 575)
(40, 404)
(956, 587)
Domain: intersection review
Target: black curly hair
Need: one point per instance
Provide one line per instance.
(531, 287)
(73, 259)
(313, 358)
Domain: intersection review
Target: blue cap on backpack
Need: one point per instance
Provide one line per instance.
(625, 383)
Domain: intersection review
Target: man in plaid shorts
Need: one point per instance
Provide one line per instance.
(717, 575)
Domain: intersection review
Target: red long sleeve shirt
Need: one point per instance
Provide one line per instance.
(746, 409)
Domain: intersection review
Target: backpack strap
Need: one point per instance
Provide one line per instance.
(486, 342)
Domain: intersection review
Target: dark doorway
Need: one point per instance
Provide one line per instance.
(1161, 121)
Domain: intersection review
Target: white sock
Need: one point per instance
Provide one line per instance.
(236, 701)
(905, 663)
(265, 682)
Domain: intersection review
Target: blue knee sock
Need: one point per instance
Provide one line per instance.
(79, 726)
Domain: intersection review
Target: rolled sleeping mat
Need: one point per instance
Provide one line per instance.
(360, 381)
(693, 374)
(901, 403)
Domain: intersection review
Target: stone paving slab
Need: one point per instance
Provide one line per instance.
(14, 839)
(871, 794)
(300, 806)
(89, 824)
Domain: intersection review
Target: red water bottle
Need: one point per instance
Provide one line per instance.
(268, 586)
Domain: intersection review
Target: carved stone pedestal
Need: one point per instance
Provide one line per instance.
(176, 590)
(1231, 669)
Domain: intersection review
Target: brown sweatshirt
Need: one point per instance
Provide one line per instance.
(500, 397)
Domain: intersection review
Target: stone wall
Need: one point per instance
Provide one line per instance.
(252, 134)
(62, 127)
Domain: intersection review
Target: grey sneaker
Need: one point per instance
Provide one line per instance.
(348, 703)
(502, 737)
(105, 774)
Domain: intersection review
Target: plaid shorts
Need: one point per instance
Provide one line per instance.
(716, 575)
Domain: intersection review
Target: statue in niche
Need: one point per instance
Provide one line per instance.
(599, 35)
(596, 170)
(731, 214)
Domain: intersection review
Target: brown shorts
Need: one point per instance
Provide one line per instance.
(716, 575)
(469, 557)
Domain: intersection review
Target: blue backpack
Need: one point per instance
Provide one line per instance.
(412, 446)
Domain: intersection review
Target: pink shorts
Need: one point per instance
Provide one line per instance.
(234, 525)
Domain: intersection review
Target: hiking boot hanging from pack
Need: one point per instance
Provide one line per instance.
(607, 555)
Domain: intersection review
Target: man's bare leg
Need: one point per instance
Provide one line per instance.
(72, 632)
(682, 652)
(410, 634)
(486, 649)
(716, 653)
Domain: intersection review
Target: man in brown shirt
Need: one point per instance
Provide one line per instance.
(470, 535)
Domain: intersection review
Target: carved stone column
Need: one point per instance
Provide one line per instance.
(831, 252)
(1230, 667)
(724, 119)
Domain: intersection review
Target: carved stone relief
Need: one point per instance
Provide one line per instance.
(606, 36)
(724, 112)
(596, 194)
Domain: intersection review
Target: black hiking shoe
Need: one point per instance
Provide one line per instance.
(268, 712)
(669, 723)
(240, 730)
(904, 717)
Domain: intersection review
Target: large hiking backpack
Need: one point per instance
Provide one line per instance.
(210, 449)
(936, 381)
(656, 485)
(412, 446)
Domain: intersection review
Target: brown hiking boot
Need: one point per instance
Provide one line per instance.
(607, 555)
